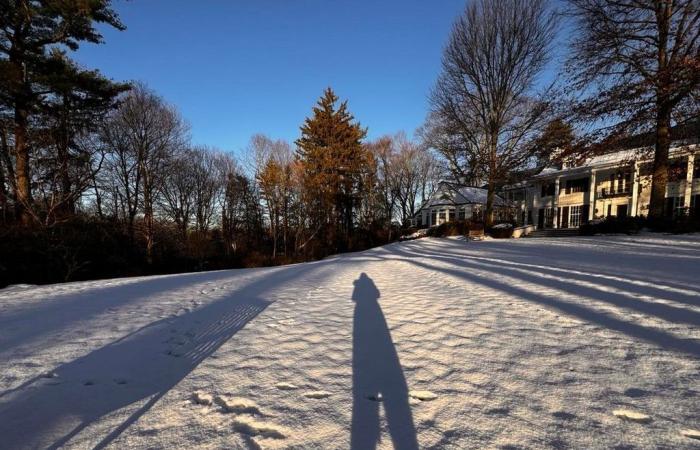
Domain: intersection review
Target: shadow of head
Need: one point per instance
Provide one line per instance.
(365, 289)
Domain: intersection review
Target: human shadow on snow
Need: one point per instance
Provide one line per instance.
(377, 376)
(130, 375)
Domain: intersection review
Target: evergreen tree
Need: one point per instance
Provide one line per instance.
(334, 161)
(30, 33)
(67, 120)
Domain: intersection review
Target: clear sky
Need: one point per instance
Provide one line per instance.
(239, 67)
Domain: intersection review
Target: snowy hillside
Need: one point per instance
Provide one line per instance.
(434, 343)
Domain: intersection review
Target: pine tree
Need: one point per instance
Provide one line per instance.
(334, 160)
(30, 33)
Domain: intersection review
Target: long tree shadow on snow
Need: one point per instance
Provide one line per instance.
(128, 376)
(656, 336)
(377, 375)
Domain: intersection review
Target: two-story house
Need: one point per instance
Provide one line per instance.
(615, 184)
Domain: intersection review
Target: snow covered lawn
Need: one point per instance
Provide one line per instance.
(434, 343)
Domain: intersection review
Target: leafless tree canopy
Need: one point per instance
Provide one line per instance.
(484, 104)
(635, 66)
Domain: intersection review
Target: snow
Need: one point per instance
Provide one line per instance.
(634, 416)
(432, 343)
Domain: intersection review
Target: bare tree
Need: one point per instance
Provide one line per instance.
(485, 95)
(208, 185)
(384, 152)
(143, 136)
(272, 161)
(177, 199)
(637, 66)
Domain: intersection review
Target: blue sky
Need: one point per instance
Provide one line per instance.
(239, 67)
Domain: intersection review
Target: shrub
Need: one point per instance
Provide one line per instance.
(455, 228)
(682, 224)
(613, 225)
(501, 231)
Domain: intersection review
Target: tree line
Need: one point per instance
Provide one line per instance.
(100, 178)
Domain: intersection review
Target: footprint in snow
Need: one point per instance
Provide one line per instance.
(237, 405)
(693, 434)
(317, 394)
(252, 427)
(424, 396)
(633, 416)
(202, 398)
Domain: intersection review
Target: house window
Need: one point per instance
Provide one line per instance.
(451, 215)
(419, 220)
(696, 167)
(549, 217)
(677, 169)
(547, 190)
(443, 216)
(578, 185)
(695, 205)
(575, 216)
(462, 213)
(623, 182)
(516, 195)
(675, 206)
(433, 217)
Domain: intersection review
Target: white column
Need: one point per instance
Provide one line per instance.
(689, 180)
(591, 197)
(635, 190)
(555, 203)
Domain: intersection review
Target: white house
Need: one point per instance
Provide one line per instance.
(614, 184)
(452, 201)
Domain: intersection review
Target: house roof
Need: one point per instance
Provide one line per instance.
(454, 194)
(609, 160)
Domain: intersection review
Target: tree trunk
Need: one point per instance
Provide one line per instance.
(491, 192)
(3, 194)
(23, 192)
(98, 197)
(490, 195)
(5, 174)
(660, 171)
(148, 219)
(67, 201)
